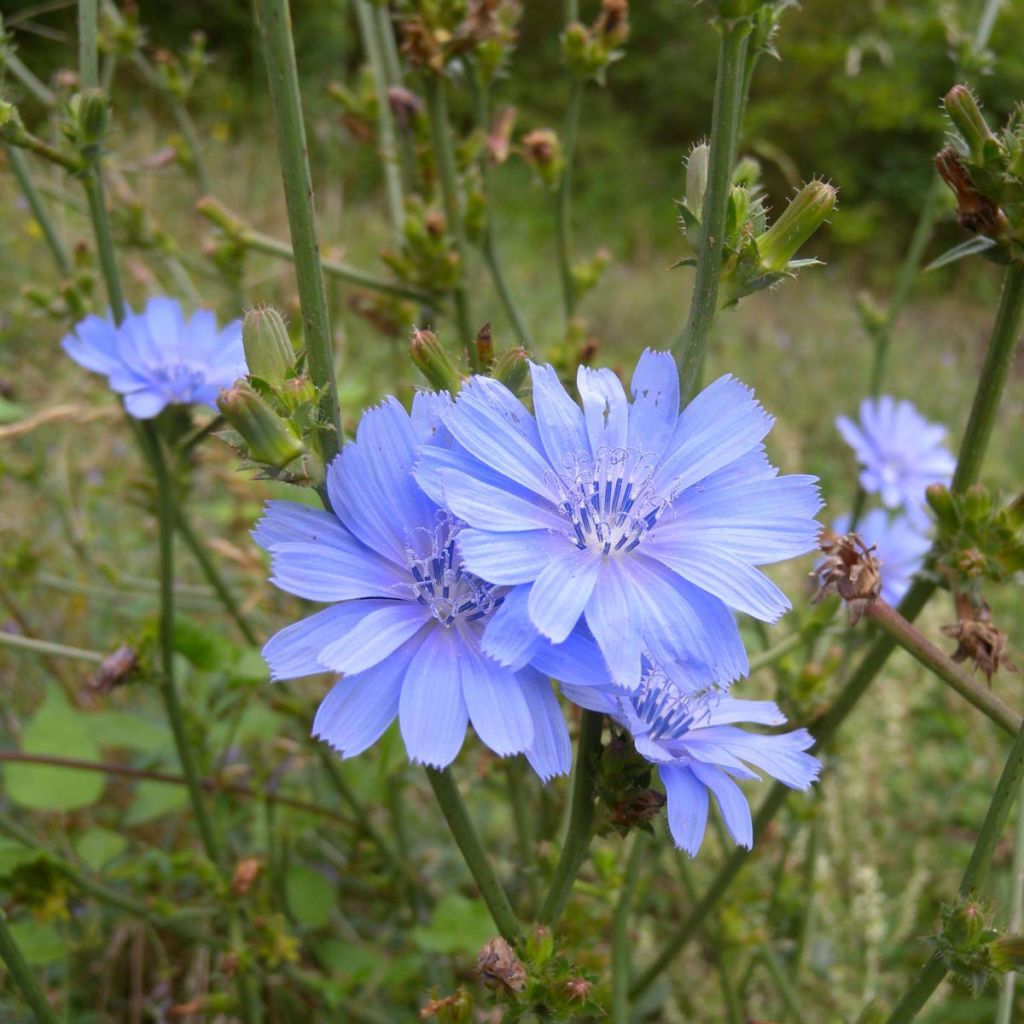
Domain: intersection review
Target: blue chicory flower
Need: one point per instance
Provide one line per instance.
(158, 357)
(900, 545)
(900, 453)
(694, 740)
(405, 617)
(644, 522)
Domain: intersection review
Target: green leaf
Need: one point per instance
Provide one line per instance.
(458, 925)
(204, 648)
(154, 800)
(310, 896)
(13, 854)
(11, 411)
(56, 729)
(39, 943)
(98, 845)
(125, 731)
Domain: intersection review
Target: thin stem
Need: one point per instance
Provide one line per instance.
(1001, 346)
(88, 49)
(282, 74)
(454, 810)
(985, 24)
(581, 817)
(1004, 1011)
(48, 647)
(373, 45)
(19, 166)
(956, 676)
(570, 136)
(783, 984)
(620, 932)
(524, 825)
(13, 63)
(691, 345)
(212, 573)
(23, 976)
(92, 181)
(444, 157)
(934, 971)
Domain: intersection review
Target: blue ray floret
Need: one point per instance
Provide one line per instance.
(694, 740)
(642, 521)
(405, 617)
(900, 545)
(900, 452)
(158, 357)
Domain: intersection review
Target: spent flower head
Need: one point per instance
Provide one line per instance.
(898, 545)
(159, 357)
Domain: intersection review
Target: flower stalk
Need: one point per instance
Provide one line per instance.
(18, 164)
(23, 977)
(570, 135)
(620, 931)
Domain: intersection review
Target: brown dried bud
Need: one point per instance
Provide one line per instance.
(456, 1007)
(978, 640)
(246, 872)
(485, 347)
(420, 46)
(404, 103)
(851, 571)
(637, 807)
(613, 21)
(578, 989)
(435, 223)
(541, 146)
(976, 212)
(500, 968)
(114, 670)
(499, 139)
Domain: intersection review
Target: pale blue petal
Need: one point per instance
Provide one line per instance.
(287, 522)
(729, 710)
(655, 409)
(384, 627)
(605, 409)
(550, 753)
(510, 558)
(687, 807)
(495, 702)
(510, 637)
(493, 508)
(339, 571)
(731, 802)
(592, 698)
(560, 421)
(577, 661)
(561, 592)
(615, 616)
(428, 409)
(434, 459)
(432, 713)
(782, 756)
(294, 651)
(93, 344)
(144, 405)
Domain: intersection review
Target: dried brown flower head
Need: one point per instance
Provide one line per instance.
(541, 146)
(500, 968)
(850, 570)
(404, 103)
(978, 640)
(976, 212)
(114, 670)
(245, 874)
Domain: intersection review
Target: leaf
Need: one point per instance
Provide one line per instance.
(56, 729)
(154, 800)
(458, 925)
(204, 648)
(310, 896)
(98, 845)
(969, 248)
(13, 854)
(40, 943)
(125, 731)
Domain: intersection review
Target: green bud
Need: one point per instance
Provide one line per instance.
(804, 215)
(697, 178)
(964, 925)
(297, 391)
(89, 119)
(943, 504)
(433, 361)
(511, 368)
(977, 503)
(540, 946)
(967, 118)
(268, 349)
(1008, 953)
(268, 438)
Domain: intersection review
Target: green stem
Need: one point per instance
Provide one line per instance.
(28, 643)
(444, 157)
(282, 74)
(524, 824)
(783, 984)
(691, 345)
(581, 817)
(88, 48)
(92, 181)
(977, 869)
(985, 24)
(620, 932)
(212, 573)
(911, 640)
(454, 810)
(19, 166)
(1004, 1011)
(373, 45)
(13, 63)
(1001, 346)
(570, 136)
(23, 977)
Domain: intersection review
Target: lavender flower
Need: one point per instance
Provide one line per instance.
(157, 358)
(405, 617)
(900, 453)
(694, 740)
(645, 522)
(901, 548)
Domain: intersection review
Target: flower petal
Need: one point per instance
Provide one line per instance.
(495, 702)
(616, 618)
(493, 508)
(294, 651)
(560, 422)
(687, 807)
(510, 638)
(655, 409)
(731, 802)
(381, 629)
(605, 409)
(550, 753)
(561, 592)
(339, 571)
(285, 522)
(145, 404)
(577, 661)
(510, 558)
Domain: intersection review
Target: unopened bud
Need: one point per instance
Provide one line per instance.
(941, 502)
(269, 439)
(485, 348)
(433, 361)
(90, 119)
(297, 391)
(578, 989)
(697, 178)
(540, 946)
(511, 368)
(613, 22)
(500, 136)
(268, 349)
(967, 118)
(542, 147)
(964, 923)
(804, 215)
(977, 503)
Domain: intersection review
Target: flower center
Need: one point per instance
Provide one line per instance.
(667, 712)
(440, 583)
(181, 379)
(609, 499)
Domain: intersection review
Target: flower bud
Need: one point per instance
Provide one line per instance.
(511, 368)
(540, 946)
(269, 439)
(268, 349)
(89, 119)
(964, 923)
(296, 392)
(942, 503)
(804, 215)
(433, 361)
(967, 118)
(485, 348)
(697, 178)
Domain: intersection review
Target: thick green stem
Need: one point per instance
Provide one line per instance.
(691, 345)
(461, 826)
(620, 932)
(88, 49)
(1004, 1011)
(283, 77)
(570, 136)
(915, 643)
(374, 47)
(92, 181)
(521, 812)
(977, 868)
(581, 817)
(444, 157)
(18, 164)
(23, 977)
